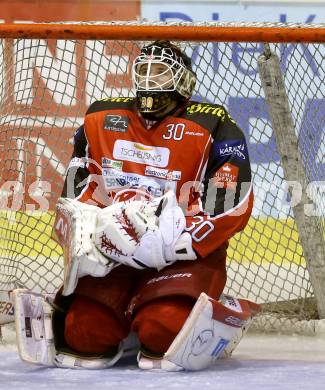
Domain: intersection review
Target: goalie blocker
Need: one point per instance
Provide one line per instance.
(212, 330)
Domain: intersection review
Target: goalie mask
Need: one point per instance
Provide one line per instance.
(163, 79)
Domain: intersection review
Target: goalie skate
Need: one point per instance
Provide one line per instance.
(147, 362)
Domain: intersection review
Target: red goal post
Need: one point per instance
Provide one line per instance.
(204, 32)
(268, 75)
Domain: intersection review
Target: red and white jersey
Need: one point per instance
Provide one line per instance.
(199, 152)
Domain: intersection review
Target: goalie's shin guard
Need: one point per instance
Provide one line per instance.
(35, 339)
(212, 330)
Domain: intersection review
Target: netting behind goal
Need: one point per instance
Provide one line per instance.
(45, 88)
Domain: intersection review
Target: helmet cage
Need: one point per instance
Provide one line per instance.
(181, 79)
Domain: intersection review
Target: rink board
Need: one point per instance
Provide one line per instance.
(264, 239)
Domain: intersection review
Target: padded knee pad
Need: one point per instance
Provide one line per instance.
(158, 322)
(91, 327)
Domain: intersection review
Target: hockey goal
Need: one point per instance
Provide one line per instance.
(271, 79)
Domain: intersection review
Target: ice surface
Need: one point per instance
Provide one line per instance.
(260, 362)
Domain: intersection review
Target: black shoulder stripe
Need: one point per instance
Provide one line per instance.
(111, 104)
(204, 114)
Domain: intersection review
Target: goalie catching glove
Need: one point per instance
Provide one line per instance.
(139, 234)
(144, 234)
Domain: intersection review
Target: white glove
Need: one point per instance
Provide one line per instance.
(144, 234)
(74, 226)
(166, 244)
(119, 228)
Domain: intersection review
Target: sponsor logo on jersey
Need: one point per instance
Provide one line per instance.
(117, 123)
(109, 163)
(227, 175)
(163, 173)
(142, 154)
(195, 133)
(201, 108)
(118, 99)
(77, 162)
(115, 178)
(235, 148)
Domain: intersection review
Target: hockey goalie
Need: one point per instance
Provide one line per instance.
(156, 187)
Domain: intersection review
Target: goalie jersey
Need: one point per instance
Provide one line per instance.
(199, 152)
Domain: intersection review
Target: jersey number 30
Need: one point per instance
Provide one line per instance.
(175, 131)
(200, 228)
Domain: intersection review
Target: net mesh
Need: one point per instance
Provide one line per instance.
(45, 88)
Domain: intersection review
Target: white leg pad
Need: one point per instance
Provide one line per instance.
(35, 339)
(34, 328)
(211, 327)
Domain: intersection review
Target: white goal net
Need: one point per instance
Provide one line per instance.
(45, 88)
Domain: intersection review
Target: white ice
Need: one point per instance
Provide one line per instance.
(260, 362)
